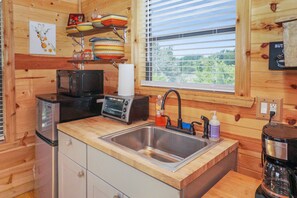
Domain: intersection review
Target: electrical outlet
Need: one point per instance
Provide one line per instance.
(273, 107)
(266, 105)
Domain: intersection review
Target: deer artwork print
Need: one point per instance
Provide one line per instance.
(41, 32)
(42, 38)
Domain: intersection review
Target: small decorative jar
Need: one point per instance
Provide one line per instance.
(77, 55)
(88, 55)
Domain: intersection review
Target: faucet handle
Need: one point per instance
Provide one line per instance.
(192, 129)
(206, 127)
(168, 123)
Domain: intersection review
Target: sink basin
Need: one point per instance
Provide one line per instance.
(163, 147)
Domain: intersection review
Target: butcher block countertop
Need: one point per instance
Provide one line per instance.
(88, 130)
(234, 185)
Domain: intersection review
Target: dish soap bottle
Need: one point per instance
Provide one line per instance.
(159, 119)
(214, 124)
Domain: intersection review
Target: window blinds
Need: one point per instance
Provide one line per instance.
(190, 44)
(1, 70)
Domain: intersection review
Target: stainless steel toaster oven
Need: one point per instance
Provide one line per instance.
(126, 108)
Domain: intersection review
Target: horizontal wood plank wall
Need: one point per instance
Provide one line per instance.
(17, 156)
(264, 83)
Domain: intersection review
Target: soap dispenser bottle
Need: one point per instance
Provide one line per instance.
(159, 119)
(214, 124)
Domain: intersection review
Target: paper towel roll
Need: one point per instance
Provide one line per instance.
(126, 80)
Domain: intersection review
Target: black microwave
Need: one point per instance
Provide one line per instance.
(80, 83)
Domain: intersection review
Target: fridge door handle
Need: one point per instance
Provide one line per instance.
(34, 171)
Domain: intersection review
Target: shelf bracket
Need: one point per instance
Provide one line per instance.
(115, 64)
(124, 37)
(81, 43)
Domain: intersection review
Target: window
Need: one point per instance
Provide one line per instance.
(1, 69)
(190, 44)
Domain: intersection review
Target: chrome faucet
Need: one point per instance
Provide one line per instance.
(179, 120)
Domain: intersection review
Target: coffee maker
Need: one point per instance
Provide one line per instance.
(279, 156)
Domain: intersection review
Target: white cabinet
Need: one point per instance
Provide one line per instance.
(72, 167)
(73, 148)
(72, 178)
(127, 179)
(97, 188)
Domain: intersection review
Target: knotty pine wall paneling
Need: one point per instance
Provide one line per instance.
(33, 75)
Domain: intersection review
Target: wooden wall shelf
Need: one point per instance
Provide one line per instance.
(114, 62)
(97, 31)
(101, 61)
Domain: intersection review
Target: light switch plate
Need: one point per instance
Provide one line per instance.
(265, 105)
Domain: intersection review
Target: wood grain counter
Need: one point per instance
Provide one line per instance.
(234, 185)
(88, 130)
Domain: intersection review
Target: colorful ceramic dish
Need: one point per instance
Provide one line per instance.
(116, 20)
(109, 54)
(97, 24)
(84, 28)
(109, 47)
(106, 42)
(109, 57)
(71, 29)
(85, 24)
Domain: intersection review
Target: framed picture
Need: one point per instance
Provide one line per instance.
(42, 38)
(75, 18)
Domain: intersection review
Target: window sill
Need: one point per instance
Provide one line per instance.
(200, 96)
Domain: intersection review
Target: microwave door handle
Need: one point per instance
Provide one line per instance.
(70, 83)
(58, 81)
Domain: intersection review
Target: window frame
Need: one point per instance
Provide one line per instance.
(9, 104)
(241, 96)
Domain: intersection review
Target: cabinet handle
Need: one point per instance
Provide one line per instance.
(80, 173)
(68, 143)
(116, 196)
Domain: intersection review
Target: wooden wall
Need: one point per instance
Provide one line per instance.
(33, 75)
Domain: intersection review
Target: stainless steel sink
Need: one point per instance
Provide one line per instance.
(163, 147)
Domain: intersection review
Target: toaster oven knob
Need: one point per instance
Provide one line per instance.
(124, 109)
(124, 116)
(126, 103)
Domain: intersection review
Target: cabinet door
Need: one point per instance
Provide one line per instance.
(97, 188)
(72, 178)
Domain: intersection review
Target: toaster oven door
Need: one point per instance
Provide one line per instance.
(113, 106)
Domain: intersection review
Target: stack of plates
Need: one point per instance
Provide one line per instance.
(71, 29)
(97, 22)
(106, 48)
(116, 20)
(85, 26)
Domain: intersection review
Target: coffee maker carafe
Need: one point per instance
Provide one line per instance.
(279, 154)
